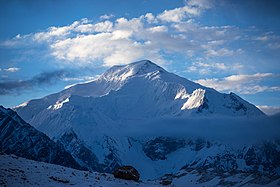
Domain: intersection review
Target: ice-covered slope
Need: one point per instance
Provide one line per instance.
(19, 138)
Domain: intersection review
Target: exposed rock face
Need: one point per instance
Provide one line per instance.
(19, 138)
(262, 157)
(158, 148)
(84, 156)
(127, 173)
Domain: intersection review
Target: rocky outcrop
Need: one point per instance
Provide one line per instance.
(127, 173)
(158, 148)
(84, 156)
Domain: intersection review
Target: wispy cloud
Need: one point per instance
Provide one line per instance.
(106, 16)
(220, 52)
(81, 79)
(270, 110)
(269, 39)
(17, 86)
(243, 84)
(213, 67)
(11, 69)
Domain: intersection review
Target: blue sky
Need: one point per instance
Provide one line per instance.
(232, 46)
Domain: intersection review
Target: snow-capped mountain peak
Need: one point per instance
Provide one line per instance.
(134, 69)
(141, 90)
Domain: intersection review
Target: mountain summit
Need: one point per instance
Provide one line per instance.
(137, 68)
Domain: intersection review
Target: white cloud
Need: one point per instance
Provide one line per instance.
(106, 16)
(248, 78)
(53, 32)
(11, 69)
(112, 48)
(150, 18)
(213, 41)
(213, 67)
(105, 26)
(265, 37)
(160, 28)
(121, 34)
(192, 8)
(270, 110)
(243, 84)
(198, 64)
(84, 47)
(219, 52)
(262, 38)
(82, 80)
(178, 14)
(122, 56)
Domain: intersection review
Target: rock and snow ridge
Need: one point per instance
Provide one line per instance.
(19, 138)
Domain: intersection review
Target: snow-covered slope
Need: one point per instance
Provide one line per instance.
(19, 138)
(20, 172)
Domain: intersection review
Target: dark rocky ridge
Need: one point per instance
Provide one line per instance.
(19, 138)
